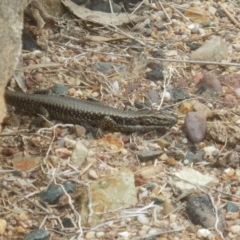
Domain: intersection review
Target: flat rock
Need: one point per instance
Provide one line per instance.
(107, 196)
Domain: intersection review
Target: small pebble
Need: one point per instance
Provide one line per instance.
(171, 161)
(203, 233)
(92, 174)
(166, 96)
(187, 106)
(8, 151)
(153, 231)
(71, 91)
(230, 172)
(143, 219)
(3, 225)
(90, 235)
(203, 109)
(95, 94)
(69, 143)
(100, 234)
(142, 233)
(230, 101)
(195, 126)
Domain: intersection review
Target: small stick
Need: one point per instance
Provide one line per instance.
(229, 15)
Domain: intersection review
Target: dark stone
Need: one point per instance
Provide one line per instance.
(60, 89)
(67, 223)
(201, 212)
(189, 157)
(179, 94)
(147, 155)
(155, 75)
(39, 234)
(231, 207)
(158, 54)
(28, 41)
(193, 46)
(54, 192)
(106, 67)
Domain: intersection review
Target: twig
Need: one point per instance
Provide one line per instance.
(229, 15)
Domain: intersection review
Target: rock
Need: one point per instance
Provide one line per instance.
(171, 161)
(230, 101)
(158, 54)
(187, 106)
(188, 179)
(189, 157)
(195, 126)
(163, 143)
(60, 89)
(90, 235)
(155, 75)
(179, 94)
(3, 225)
(231, 207)
(198, 156)
(143, 219)
(28, 41)
(92, 174)
(147, 155)
(154, 96)
(132, 86)
(201, 212)
(168, 207)
(80, 131)
(39, 234)
(79, 154)
(107, 67)
(203, 233)
(211, 81)
(203, 109)
(54, 192)
(213, 50)
(8, 151)
(67, 223)
(207, 92)
(211, 153)
(151, 172)
(107, 196)
(26, 164)
(232, 80)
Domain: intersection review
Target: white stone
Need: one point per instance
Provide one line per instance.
(100, 234)
(203, 233)
(143, 219)
(235, 229)
(238, 92)
(90, 235)
(124, 234)
(153, 231)
(173, 218)
(79, 154)
(116, 86)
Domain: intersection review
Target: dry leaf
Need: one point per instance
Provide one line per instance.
(115, 19)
